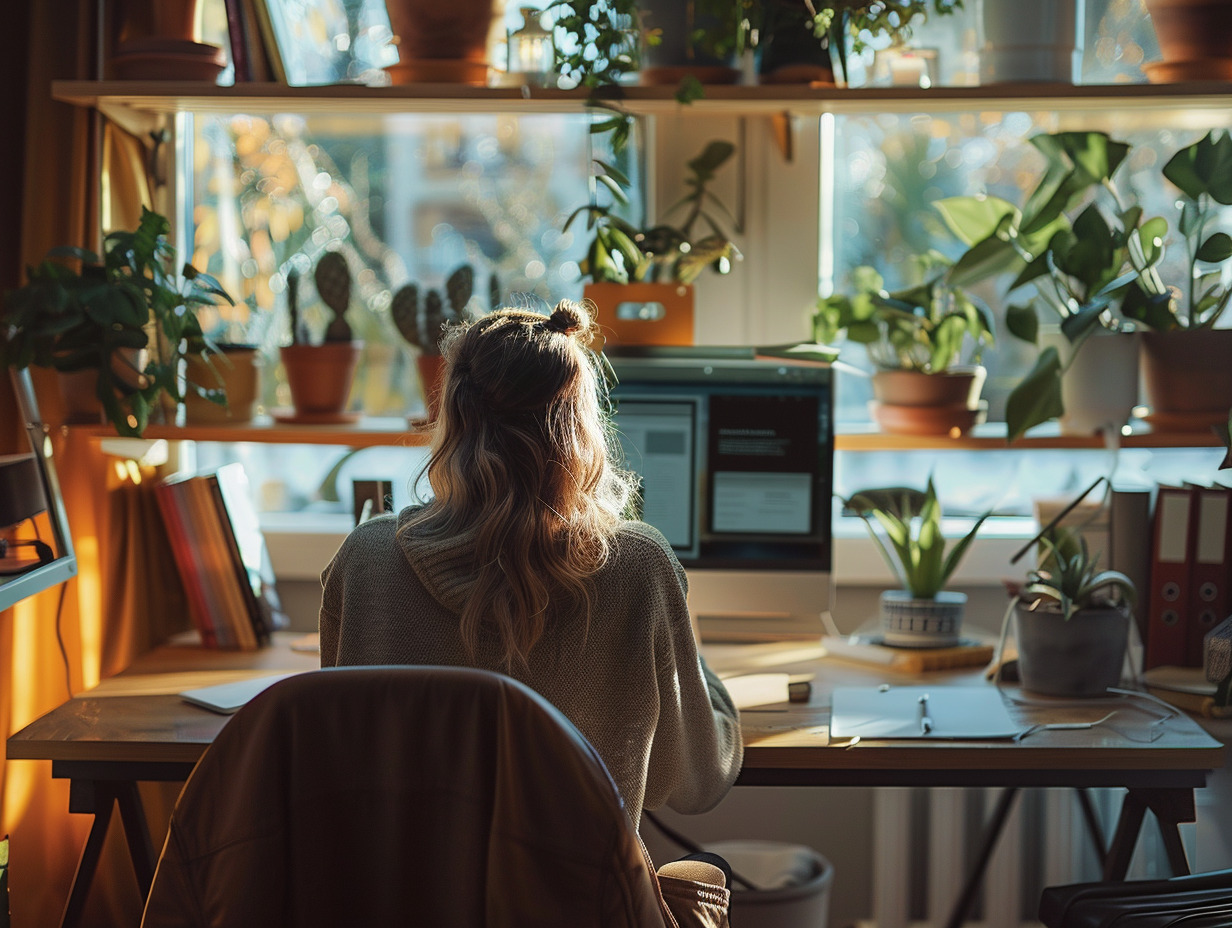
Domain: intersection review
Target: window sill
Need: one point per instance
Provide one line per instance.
(301, 544)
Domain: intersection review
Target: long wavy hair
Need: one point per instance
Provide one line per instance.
(523, 456)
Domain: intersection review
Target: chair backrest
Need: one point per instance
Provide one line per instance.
(402, 796)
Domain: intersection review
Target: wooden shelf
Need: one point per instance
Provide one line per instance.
(391, 431)
(190, 96)
(991, 437)
(368, 432)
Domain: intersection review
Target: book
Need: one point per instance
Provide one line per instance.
(171, 506)
(220, 577)
(248, 552)
(1210, 601)
(908, 660)
(222, 558)
(1167, 600)
(1186, 688)
(1129, 539)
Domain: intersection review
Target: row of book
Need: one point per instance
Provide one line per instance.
(223, 562)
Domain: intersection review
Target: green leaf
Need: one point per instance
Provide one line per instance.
(712, 157)
(1037, 398)
(1205, 167)
(1153, 310)
(985, 259)
(1022, 322)
(613, 172)
(1152, 236)
(1216, 248)
(974, 219)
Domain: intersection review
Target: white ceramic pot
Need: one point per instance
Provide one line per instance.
(1100, 390)
(1037, 41)
(907, 622)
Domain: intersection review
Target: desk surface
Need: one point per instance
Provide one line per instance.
(136, 718)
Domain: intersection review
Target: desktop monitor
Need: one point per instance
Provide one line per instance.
(735, 459)
(33, 498)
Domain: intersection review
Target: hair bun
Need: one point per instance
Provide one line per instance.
(568, 318)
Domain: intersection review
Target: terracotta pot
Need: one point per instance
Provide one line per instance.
(444, 42)
(79, 389)
(237, 371)
(1194, 37)
(320, 376)
(1187, 378)
(1079, 657)
(916, 403)
(643, 313)
(431, 373)
(156, 42)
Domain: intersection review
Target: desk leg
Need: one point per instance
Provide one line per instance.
(992, 832)
(1093, 827)
(1171, 807)
(84, 797)
(99, 797)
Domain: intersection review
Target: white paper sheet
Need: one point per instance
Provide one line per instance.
(973, 713)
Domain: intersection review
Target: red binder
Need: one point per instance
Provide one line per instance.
(1168, 600)
(1210, 601)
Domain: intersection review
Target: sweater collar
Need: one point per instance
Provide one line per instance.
(445, 566)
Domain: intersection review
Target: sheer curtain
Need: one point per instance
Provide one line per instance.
(112, 611)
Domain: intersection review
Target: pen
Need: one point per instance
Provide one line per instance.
(926, 723)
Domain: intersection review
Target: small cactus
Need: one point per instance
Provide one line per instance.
(423, 325)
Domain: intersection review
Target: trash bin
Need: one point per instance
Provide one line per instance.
(793, 884)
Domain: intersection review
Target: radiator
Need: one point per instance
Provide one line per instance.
(924, 841)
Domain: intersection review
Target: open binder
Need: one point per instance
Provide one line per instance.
(971, 713)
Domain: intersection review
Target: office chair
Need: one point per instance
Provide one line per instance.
(1199, 900)
(433, 796)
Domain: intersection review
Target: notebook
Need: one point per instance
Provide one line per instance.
(972, 713)
(228, 698)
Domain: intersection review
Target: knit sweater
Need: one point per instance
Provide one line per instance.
(630, 679)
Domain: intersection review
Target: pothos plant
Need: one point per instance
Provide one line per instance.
(1101, 268)
(921, 328)
(129, 314)
(840, 22)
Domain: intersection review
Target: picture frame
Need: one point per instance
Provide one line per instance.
(315, 42)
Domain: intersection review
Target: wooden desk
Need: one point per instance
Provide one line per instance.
(133, 728)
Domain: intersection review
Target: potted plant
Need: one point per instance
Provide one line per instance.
(423, 324)
(642, 279)
(224, 380)
(443, 42)
(320, 374)
(700, 42)
(916, 338)
(1099, 272)
(1071, 619)
(1193, 41)
(921, 613)
(120, 324)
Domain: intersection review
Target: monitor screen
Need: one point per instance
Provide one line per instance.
(54, 561)
(735, 460)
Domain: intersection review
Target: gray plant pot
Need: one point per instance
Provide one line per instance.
(1080, 657)
(907, 622)
(1037, 41)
